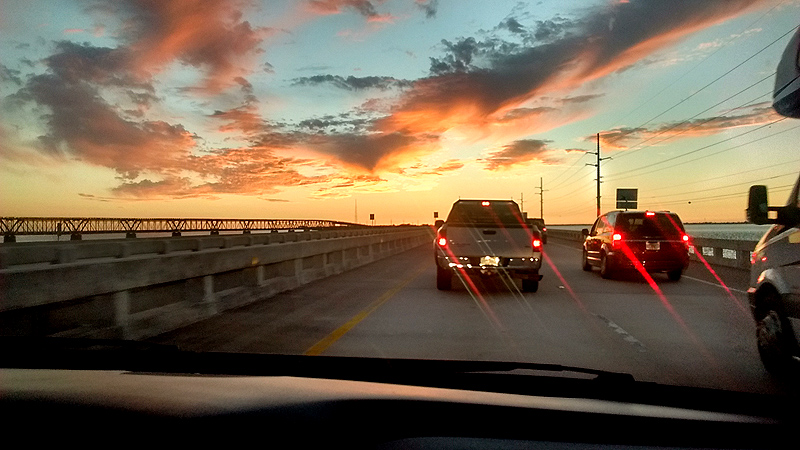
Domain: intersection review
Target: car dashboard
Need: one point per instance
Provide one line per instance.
(103, 407)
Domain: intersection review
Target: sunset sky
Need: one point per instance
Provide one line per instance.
(335, 109)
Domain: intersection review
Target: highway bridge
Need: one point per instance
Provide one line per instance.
(373, 293)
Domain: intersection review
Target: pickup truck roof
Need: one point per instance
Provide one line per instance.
(486, 213)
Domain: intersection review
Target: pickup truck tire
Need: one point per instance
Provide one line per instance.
(444, 279)
(530, 285)
(772, 337)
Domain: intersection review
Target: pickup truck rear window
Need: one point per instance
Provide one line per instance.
(658, 226)
(475, 214)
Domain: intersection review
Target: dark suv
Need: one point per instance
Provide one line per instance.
(652, 241)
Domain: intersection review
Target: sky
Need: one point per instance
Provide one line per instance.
(338, 109)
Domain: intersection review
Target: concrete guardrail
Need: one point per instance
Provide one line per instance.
(136, 288)
(721, 252)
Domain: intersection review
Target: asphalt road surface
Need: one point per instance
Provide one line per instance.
(697, 331)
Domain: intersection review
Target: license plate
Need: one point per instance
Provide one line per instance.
(652, 246)
(490, 260)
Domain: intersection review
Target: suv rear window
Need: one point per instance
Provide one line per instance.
(640, 225)
(496, 214)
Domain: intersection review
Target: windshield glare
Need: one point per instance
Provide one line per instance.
(271, 176)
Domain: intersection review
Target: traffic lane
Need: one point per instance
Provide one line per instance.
(693, 332)
(576, 318)
(292, 322)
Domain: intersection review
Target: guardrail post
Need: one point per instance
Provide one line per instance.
(122, 311)
(209, 302)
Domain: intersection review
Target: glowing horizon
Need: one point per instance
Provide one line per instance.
(339, 109)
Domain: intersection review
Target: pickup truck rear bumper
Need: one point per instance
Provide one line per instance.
(524, 268)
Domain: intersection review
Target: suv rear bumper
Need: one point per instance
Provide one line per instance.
(621, 261)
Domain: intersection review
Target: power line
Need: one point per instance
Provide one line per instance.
(706, 147)
(699, 123)
(719, 77)
(699, 63)
(793, 174)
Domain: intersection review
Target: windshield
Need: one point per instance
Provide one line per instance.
(486, 213)
(658, 225)
(269, 176)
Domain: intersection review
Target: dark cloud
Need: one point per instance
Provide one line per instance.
(517, 153)
(364, 7)
(623, 137)
(430, 7)
(477, 79)
(209, 36)
(352, 83)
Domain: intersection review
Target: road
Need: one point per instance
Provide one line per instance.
(693, 332)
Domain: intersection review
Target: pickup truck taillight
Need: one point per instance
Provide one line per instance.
(537, 243)
(441, 239)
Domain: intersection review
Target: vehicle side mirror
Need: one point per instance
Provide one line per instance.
(584, 233)
(438, 224)
(757, 205)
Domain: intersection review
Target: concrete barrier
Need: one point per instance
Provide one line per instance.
(720, 252)
(134, 289)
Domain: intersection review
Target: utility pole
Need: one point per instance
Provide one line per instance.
(597, 165)
(541, 198)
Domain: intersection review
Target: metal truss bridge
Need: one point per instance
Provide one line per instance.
(75, 227)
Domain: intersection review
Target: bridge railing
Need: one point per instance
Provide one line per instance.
(135, 288)
(75, 227)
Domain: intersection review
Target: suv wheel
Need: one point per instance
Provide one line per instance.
(605, 267)
(585, 264)
(675, 275)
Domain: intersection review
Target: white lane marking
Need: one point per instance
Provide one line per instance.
(715, 284)
(627, 337)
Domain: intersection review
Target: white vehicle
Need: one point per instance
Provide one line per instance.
(774, 291)
(487, 238)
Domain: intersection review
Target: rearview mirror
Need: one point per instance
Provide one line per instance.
(438, 224)
(757, 205)
(585, 232)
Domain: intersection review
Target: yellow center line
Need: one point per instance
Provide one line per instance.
(328, 340)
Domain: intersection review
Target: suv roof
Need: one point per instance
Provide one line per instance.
(651, 224)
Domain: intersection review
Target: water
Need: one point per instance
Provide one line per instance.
(730, 231)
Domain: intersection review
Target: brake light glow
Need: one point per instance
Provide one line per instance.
(537, 243)
(685, 238)
(650, 214)
(617, 237)
(485, 203)
(442, 241)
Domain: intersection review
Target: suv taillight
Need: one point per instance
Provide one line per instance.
(537, 243)
(616, 238)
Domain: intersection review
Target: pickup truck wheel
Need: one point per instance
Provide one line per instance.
(530, 285)
(444, 279)
(774, 347)
(586, 265)
(605, 267)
